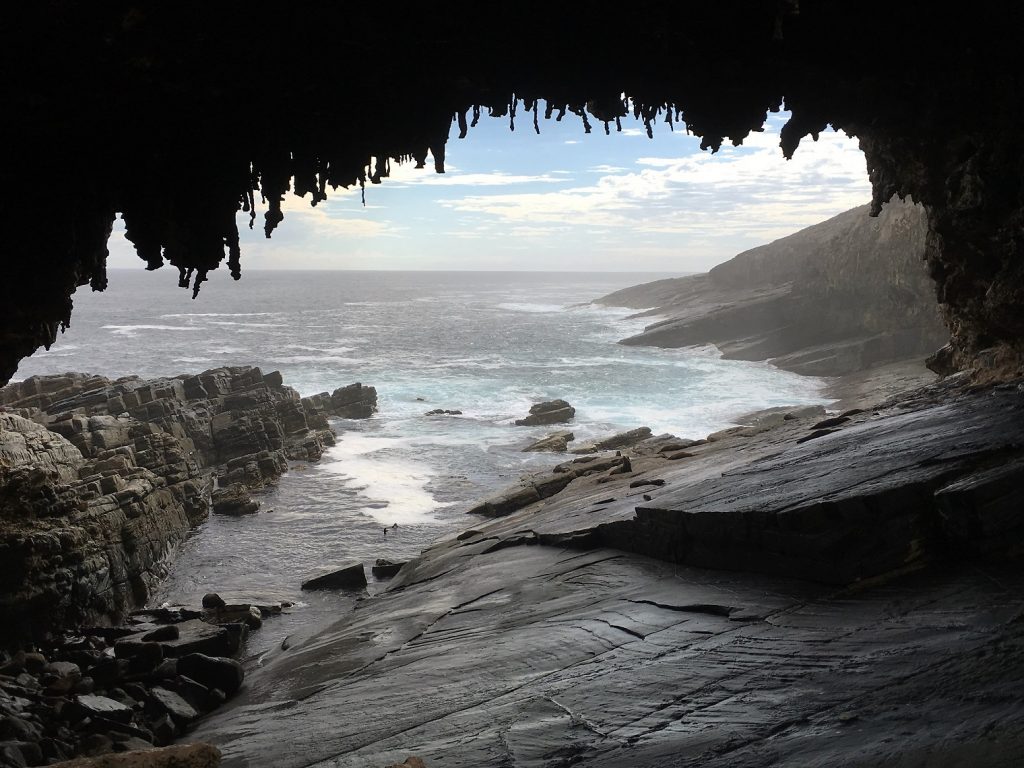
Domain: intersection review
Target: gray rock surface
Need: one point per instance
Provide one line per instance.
(557, 442)
(621, 440)
(550, 637)
(100, 479)
(349, 577)
(550, 412)
(844, 295)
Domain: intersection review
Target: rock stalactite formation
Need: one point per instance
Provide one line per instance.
(177, 118)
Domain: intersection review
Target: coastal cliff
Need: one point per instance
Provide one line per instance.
(840, 296)
(100, 479)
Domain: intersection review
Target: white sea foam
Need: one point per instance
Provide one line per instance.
(131, 330)
(531, 307)
(193, 359)
(398, 484)
(221, 314)
(248, 325)
(322, 350)
(319, 359)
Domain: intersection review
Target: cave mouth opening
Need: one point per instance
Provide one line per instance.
(643, 195)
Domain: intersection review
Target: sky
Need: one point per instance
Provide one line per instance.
(565, 201)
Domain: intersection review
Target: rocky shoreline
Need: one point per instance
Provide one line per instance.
(101, 479)
(799, 584)
(800, 500)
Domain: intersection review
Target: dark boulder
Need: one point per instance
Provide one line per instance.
(213, 600)
(354, 402)
(214, 673)
(235, 501)
(386, 569)
(350, 577)
(550, 412)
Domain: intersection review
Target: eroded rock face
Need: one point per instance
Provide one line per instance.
(100, 479)
(87, 536)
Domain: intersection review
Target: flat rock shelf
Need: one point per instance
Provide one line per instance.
(549, 637)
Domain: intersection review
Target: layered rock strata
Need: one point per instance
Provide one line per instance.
(841, 296)
(100, 479)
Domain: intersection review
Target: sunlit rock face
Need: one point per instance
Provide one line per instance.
(179, 118)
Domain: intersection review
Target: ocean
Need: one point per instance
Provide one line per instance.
(487, 343)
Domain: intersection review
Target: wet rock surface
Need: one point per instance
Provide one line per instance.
(109, 690)
(550, 412)
(100, 479)
(550, 635)
(557, 442)
(348, 577)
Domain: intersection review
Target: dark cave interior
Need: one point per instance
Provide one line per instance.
(178, 116)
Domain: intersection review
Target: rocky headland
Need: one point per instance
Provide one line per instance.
(842, 296)
(100, 479)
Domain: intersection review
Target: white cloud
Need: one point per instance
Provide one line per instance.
(751, 191)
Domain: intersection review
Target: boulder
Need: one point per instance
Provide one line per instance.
(442, 412)
(550, 412)
(250, 615)
(350, 577)
(164, 701)
(215, 673)
(100, 706)
(385, 569)
(556, 442)
(166, 632)
(620, 440)
(213, 600)
(353, 402)
(235, 501)
(197, 636)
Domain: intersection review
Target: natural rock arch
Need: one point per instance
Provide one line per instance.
(178, 115)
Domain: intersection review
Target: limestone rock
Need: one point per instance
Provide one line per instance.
(550, 412)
